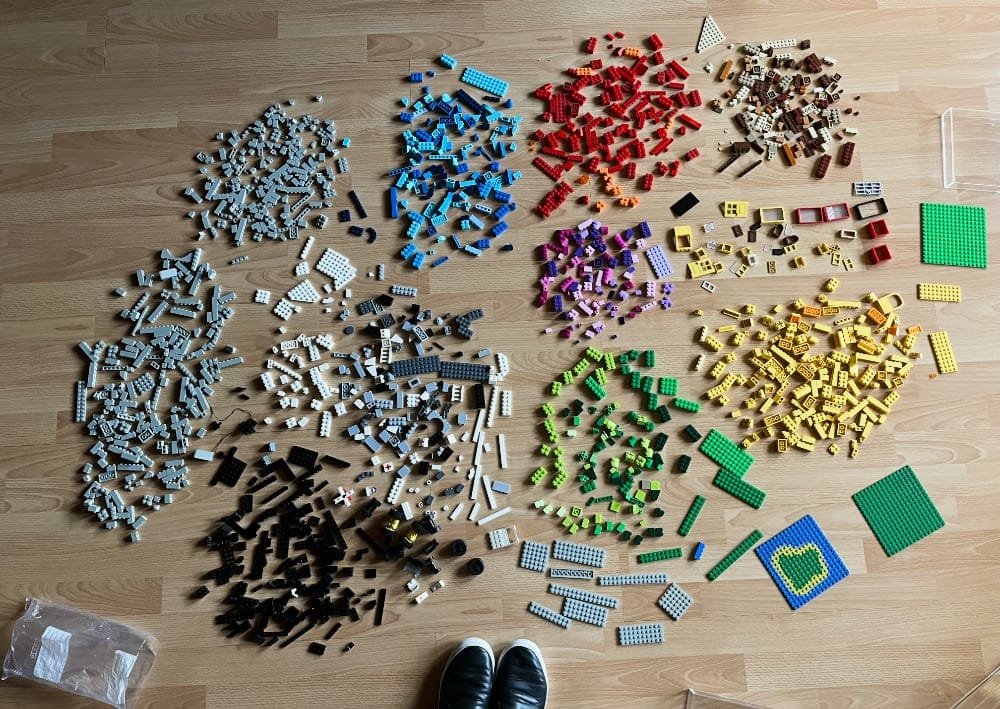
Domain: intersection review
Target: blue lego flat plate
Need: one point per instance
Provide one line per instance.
(802, 562)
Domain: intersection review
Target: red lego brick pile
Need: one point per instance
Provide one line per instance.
(612, 116)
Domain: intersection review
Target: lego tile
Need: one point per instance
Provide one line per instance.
(953, 235)
(802, 562)
(898, 510)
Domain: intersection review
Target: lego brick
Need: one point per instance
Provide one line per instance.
(534, 556)
(578, 553)
(558, 572)
(710, 35)
(633, 579)
(598, 599)
(658, 261)
(684, 205)
(584, 612)
(484, 82)
(802, 562)
(944, 357)
(660, 555)
(726, 454)
(953, 235)
(733, 556)
(675, 601)
(692, 515)
(549, 614)
(898, 510)
(640, 634)
(739, 488)
(939, 292)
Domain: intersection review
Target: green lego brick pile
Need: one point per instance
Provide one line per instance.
(953, 235)
(606, 428)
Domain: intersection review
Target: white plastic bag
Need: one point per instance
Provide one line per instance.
(79, 652)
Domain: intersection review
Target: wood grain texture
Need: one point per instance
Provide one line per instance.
(106, 101)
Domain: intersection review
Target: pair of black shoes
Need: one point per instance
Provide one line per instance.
(471, 679)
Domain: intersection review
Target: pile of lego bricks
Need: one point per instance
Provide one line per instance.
(288, 554)
(625, 472)
(604, 117)
(160, 378)
(268, 179)
(386, 402)
(785, 105)
(454, 169)
(802, 397)
(332, 264)
(589, 277)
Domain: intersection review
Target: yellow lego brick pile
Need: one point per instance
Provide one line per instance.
(815, 374)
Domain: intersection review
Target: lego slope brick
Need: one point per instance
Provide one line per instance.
(898, 510)
(802, 562)
(953, 235)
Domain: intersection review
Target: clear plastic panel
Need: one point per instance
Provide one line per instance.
(985, 695)
(704, 700)
(970, 149)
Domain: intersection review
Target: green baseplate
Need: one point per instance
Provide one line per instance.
(953, 235)
(898, 510)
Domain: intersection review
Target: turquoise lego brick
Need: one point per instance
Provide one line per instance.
(484, 82)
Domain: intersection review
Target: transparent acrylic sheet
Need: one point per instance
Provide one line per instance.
(970, 149)
(79, 652)
(704, 700)
(985, 695)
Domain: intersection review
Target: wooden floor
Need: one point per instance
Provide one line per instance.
(103, 103)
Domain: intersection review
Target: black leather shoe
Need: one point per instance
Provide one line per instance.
(521, 681)
(468, 676)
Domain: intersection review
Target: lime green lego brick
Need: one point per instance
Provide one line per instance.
(692, 515)
(898, 510)
(547, 409)
(594, 353)
(953, 235)
(539, 475)
(667, 386)
(731, 558)
(660, 555)
(556, 388)
(686, 405)
(610, 363)
(726, 454)
(739, 488)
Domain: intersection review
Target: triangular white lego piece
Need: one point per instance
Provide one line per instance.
(304, 292)
(710, 35)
